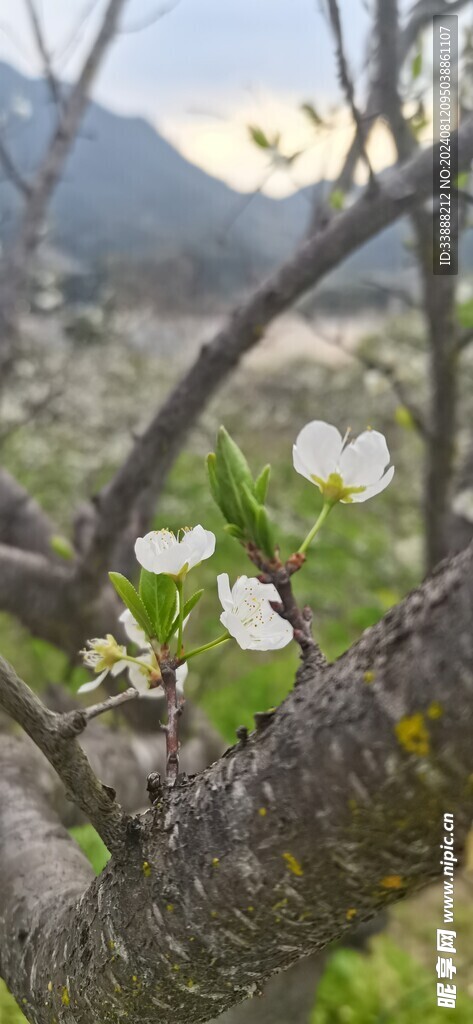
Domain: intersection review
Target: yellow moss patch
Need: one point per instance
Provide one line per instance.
(50, 986)
(215, 862)
(146, 867)
(392, 882)
(369, 677)
(351, 913)
(435, 710)
(262, 812)
(293, 864)
(412, 734)
(170, 908)
(65, 997)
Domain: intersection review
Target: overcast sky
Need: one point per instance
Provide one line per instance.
(207, 69)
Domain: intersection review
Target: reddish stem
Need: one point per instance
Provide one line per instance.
(171, 729)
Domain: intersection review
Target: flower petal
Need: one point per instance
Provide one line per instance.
(118, 667)
(224, 591)
(139, 679)
(299, 465)
(374, 488)
(181, 675)
(133, 630)
(237, 630)
(364, 460)
(318, 448)
(94, 683)
(198, 544)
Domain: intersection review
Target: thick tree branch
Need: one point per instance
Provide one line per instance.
(23, 523)
(330, 811)
(63, 752)
(145, 468)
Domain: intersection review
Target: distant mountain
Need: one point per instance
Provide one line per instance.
(128, 194)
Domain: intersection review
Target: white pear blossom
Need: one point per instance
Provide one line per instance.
(162, 552)
(103, 655)
(106, 655)
(346, 472)
(139, 677)
(133, 631)
(248, 615)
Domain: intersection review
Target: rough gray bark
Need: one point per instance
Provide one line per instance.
(327, 814)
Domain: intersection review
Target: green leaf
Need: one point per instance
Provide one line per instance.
(250, 512)
(132, 600)
(158, 594)
(62, 547)
(261, 484)
(232, 472)
(337, 199)
(234, 531)
(212, 471)
(403, 417)
(465, 313)
(188, 606)
(416, 66)
(258, 137)
(264, 534)
(462, 180)
(309, 110)
(234, 458)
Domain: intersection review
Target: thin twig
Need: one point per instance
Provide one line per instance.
(399, 389)
(347, 85)
(46, 729)
(12, 172)
(44, 53)
(114, 701)
(151, 19)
